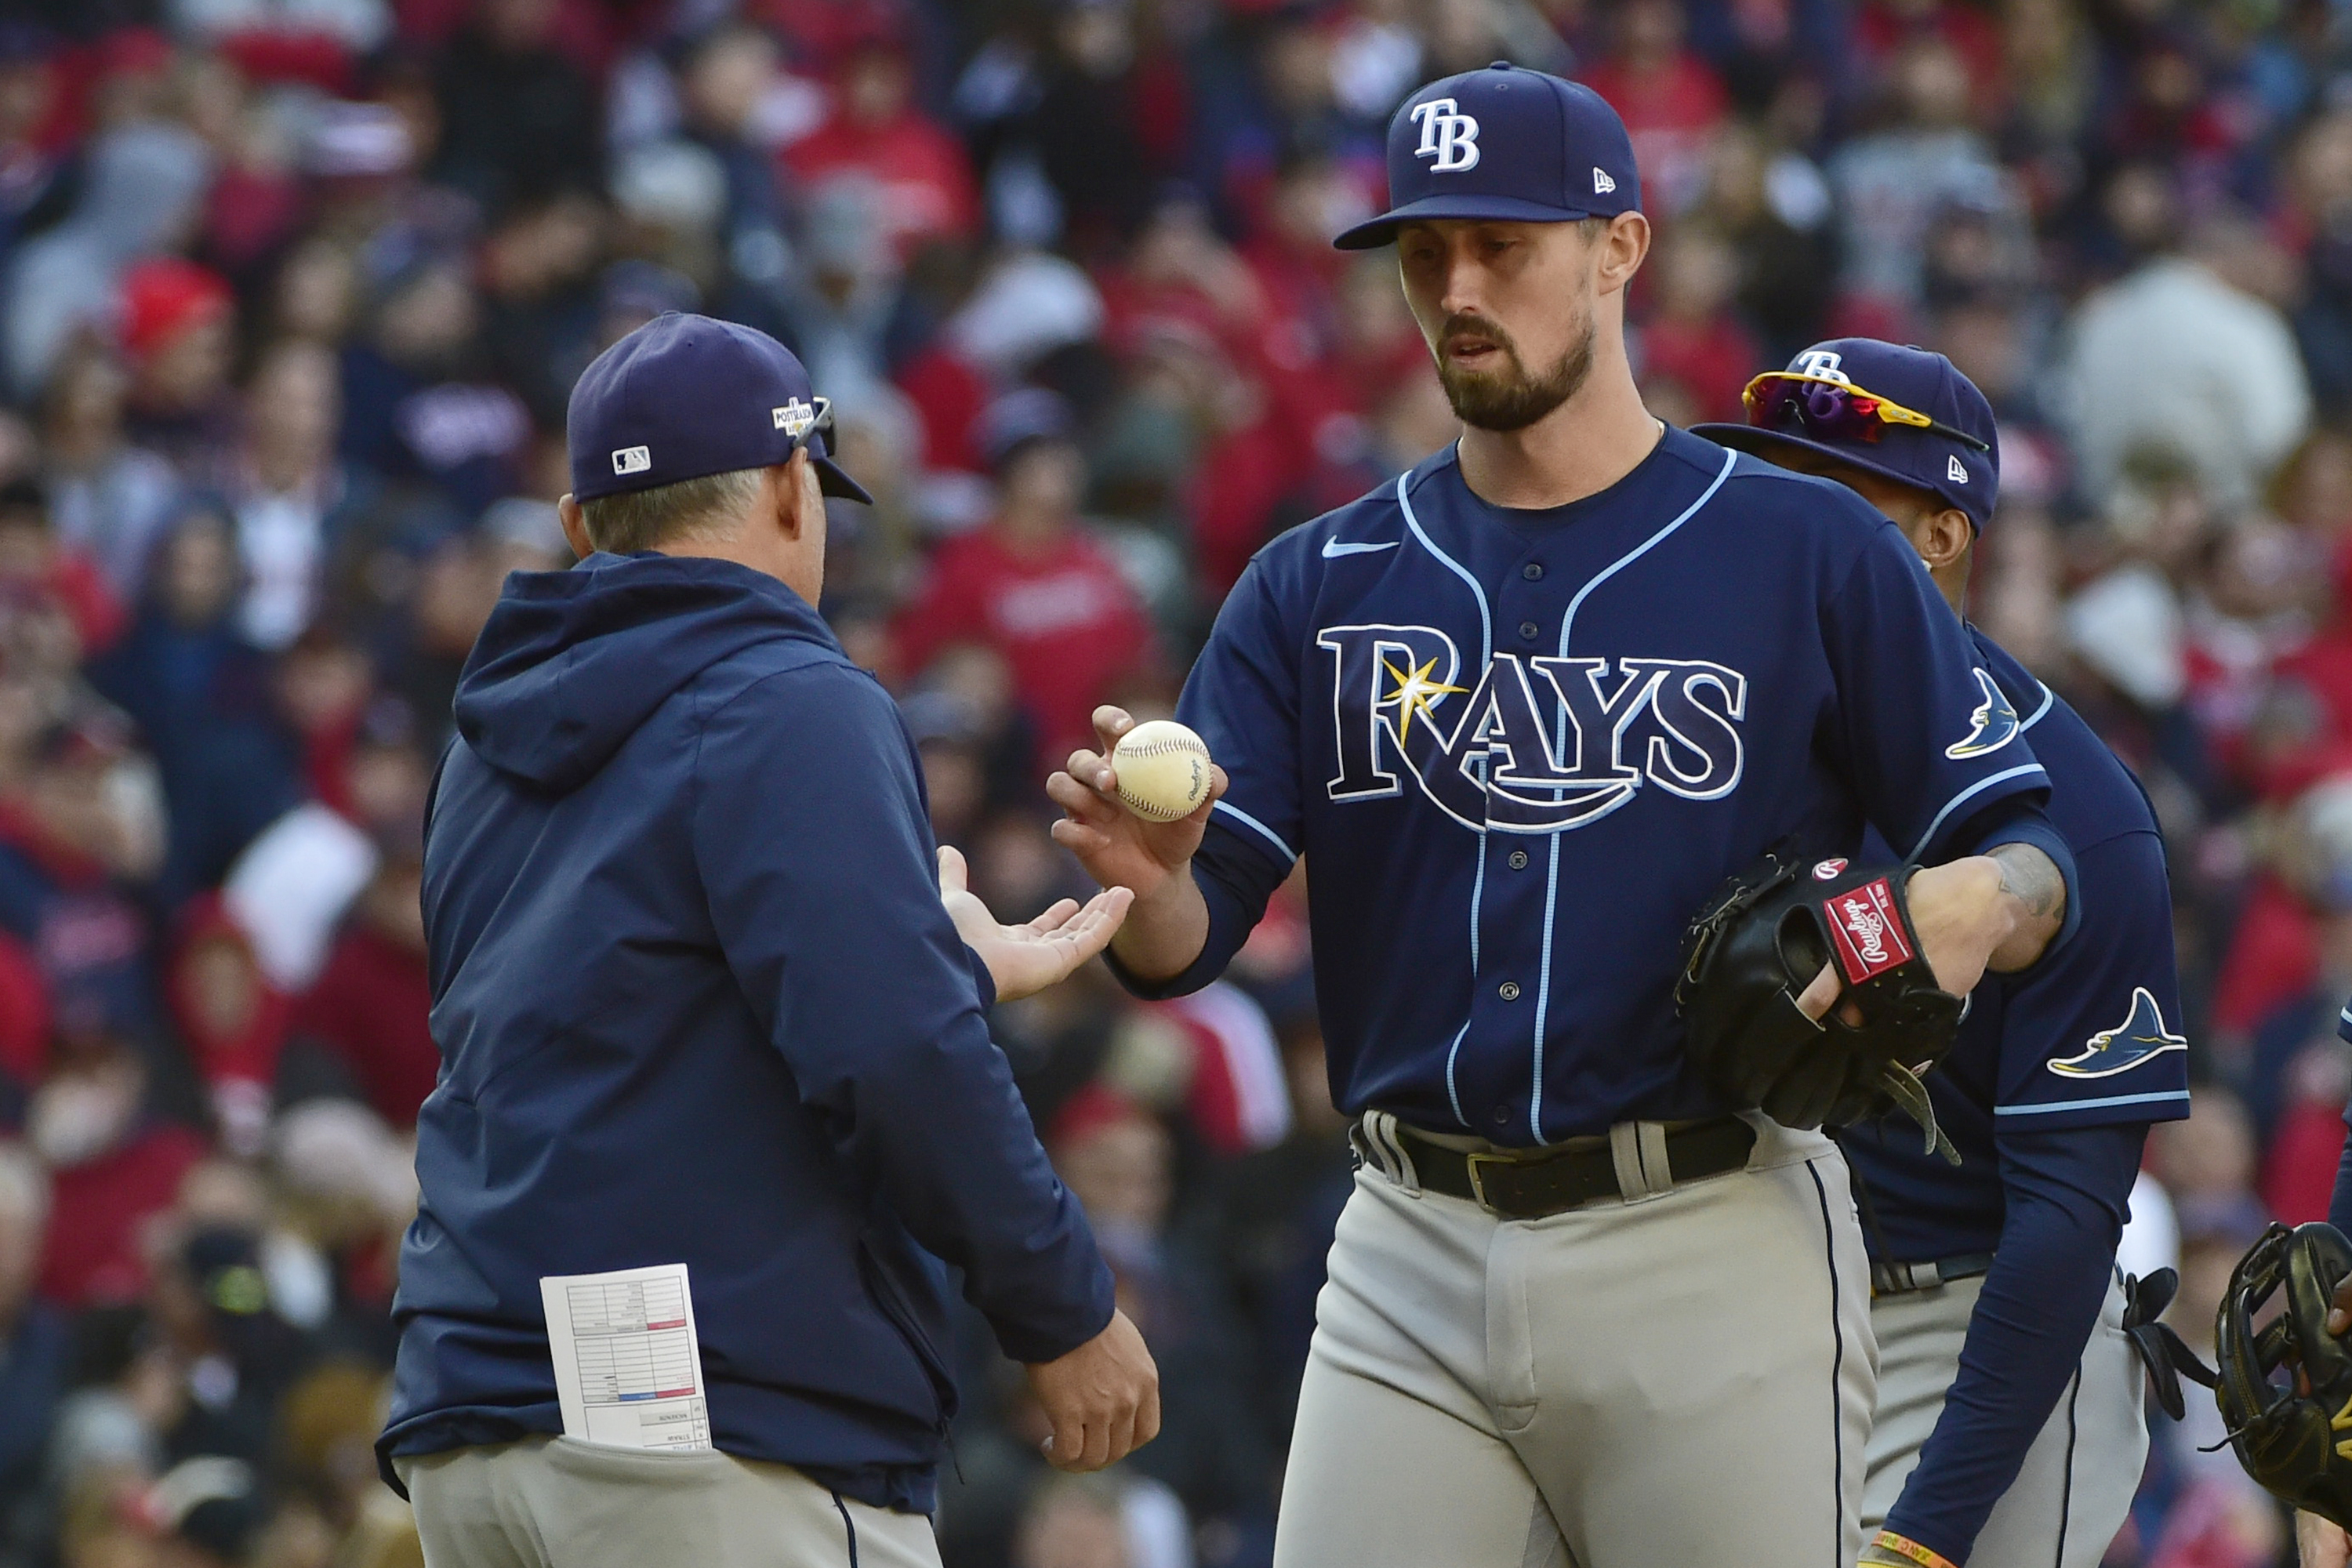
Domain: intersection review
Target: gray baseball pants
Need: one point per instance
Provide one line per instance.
(1677, 1380)
(2070, 1499)
(552, 1502)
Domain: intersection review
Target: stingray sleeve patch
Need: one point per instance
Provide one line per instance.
(2139, 1039)
(1866, 931)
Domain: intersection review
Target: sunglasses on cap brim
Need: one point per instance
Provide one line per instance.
(1836, 410)
(820, 424)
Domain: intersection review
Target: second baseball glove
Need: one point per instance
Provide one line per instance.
(1760, 942)
(2286, 1386)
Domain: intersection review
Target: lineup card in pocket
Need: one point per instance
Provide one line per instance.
(629, 1368)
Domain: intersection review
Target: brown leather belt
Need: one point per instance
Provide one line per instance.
(1533, 1184)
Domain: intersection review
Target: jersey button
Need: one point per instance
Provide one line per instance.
(1529, 630)
(1531, 571)
(1508, 990)
(1518, 860)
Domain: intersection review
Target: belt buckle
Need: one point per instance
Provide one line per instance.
(1471, 1162)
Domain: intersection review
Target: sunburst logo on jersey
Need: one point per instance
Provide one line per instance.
(1418, 692)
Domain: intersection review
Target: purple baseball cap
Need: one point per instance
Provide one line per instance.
(1825, 403)
(685, 396)
(1502, 142)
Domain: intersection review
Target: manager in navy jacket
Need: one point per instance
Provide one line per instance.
(699, 1000)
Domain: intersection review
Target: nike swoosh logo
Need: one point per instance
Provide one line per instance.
(1333, 549)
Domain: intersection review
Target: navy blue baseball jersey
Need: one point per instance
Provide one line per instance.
(1520, 749)
(2089, 1037)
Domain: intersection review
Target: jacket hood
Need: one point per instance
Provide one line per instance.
(570, 663)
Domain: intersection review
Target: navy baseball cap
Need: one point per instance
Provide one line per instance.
(1508, 143)
(1956, 456)
(685, 396)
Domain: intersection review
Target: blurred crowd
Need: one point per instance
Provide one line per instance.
(292, 293)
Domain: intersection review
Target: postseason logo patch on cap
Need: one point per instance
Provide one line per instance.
(633, 459)
(793, 417)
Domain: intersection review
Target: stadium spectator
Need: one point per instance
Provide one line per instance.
(292, 294)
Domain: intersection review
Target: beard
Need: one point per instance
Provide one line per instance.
(1509, 398)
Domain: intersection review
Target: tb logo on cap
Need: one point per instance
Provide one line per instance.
(1447, 135)
(1822, 362)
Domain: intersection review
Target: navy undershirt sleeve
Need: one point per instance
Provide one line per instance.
(2340, 1207)
(1236, 881)
(2068, 1192)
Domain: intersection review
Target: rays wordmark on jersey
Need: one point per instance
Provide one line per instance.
(1536, 744)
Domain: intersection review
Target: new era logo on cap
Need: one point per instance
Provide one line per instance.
(1956, 470)
(633, 460)
(1602, 183)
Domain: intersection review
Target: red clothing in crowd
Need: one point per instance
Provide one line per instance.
(91, 1255)
(2299, 1170)
(1670, 113)
(23, 1014)
(927, 188)
(1065, 621)
(246, 1047)
(2274, 958)
(370, 1006)
(1711, 360)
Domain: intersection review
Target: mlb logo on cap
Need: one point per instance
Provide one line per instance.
(684, 396)
(1503, 143)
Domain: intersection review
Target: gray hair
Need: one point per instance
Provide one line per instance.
(646, 520)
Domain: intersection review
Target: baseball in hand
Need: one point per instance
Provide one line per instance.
(1163, 769)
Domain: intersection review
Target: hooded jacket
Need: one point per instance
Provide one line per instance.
(697, 1000)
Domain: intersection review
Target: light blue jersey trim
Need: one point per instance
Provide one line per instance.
(1486, 656)
(2056, 1107)
(1485, 620)
(1568, 621)
(2022, 771)
(1255, 825)
(1551, 876)
(1452, 1051)
(2049, 698)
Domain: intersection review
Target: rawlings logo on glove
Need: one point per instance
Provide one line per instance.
(1753, 951)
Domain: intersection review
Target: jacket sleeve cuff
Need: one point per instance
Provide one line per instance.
(1033, 1343)
(982, 980)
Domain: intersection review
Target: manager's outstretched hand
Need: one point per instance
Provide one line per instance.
(1026, 959)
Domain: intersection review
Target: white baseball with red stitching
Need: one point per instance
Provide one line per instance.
(1163, 769)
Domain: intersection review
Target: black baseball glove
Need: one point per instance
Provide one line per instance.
(1760, 942)
(2286, 1387)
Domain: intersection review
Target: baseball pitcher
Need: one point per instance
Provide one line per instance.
(1523, 711)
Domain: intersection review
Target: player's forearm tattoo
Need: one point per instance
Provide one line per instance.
(2029, 876)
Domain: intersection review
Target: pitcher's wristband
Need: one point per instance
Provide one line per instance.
(1891, 1547)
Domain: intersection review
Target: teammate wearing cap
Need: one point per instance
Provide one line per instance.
(2009, 1426)
(701, 1002)
(2320, 1543)
(1523, 711)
